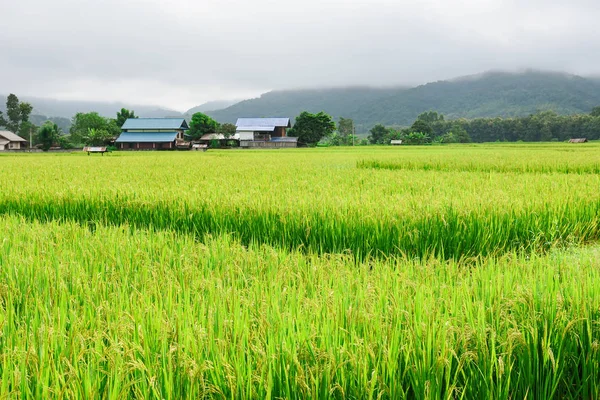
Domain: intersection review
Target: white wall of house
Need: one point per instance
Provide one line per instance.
(14, 145)
(244, 135)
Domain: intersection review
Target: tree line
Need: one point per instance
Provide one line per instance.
(92, 129)
(546, 126)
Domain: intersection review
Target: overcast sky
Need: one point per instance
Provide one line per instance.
(180, 53)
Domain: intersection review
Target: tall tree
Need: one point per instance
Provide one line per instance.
(227, 129)
(595, 112)
(346, 129)
(311, 128)
(123, 116)
(17, 113)
(378, 134)
(421, 126)
(201, 124)
(47, 135)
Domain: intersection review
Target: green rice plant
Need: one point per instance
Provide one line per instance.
(316, 200)
(120, 313)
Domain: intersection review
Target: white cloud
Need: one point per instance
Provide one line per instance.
(181, 53)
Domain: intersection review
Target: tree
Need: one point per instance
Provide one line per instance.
(201, 124)
(97, 137)
(311, 128)
(346, 130)
(123, 116)
(430, 117)
(83, 122)
(18, 115)
(378, 134)
(595, 112)
(421, 127)
(227, 129)
(47, 135)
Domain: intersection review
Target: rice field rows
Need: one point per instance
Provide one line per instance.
(295, 274)
(303, 200)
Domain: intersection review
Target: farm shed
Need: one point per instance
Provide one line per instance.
(264, 132)
(10, 141)
(153, 134)
(579, 140)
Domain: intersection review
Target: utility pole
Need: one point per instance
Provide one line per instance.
(353, 133)
(30, 138)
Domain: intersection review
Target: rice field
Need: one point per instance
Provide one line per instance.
(385, 273)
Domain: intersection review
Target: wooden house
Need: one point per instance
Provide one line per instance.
(264, 132)
(10, 141)
(152, 134)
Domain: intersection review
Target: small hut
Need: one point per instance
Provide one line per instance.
(579, 140)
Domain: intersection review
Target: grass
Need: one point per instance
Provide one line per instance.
(295, 274)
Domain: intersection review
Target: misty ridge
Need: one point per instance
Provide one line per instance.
(490, 94)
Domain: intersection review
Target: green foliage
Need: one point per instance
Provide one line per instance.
(595, 112)
(123, 116)
(201, 124)
(420, 126)
(346, 131)
(85, 123)
(48, 135)
(312, 128)
(545, 126)
(97, 137)
(417, 138)
(378, 134)
(227, 129)
(430, 117)
(18, 115)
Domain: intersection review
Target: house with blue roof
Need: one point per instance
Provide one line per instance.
(264, 132)
(152, 134)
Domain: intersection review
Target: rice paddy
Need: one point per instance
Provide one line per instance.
(308, 273)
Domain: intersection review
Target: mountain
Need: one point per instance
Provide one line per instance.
(338, 102)
(492, 94)
(68, 108)
(211, 106)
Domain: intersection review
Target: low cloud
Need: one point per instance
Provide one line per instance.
(181, 53)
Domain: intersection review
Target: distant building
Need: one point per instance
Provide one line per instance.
(10, 141)
(153, 134)
(396, 142)
(579, 140)
(264, 133)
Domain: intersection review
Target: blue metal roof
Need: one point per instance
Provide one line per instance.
(256, 129)
(146, 137)
(155, 123)
(253, 122)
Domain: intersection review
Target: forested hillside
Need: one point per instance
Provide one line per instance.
(486, 95)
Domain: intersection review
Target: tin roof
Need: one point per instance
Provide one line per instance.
(256, 128)
(146, 137)
(155, 123)
(11, 136)
(264, 122)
